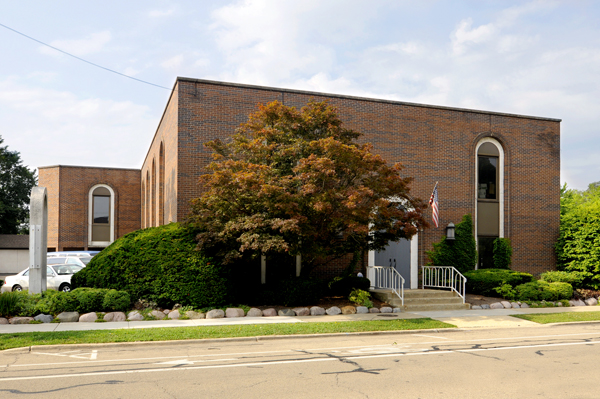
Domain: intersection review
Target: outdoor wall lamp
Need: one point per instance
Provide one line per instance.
(450, 232)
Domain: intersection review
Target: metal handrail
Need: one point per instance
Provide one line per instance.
(445, 277)
(386, 278)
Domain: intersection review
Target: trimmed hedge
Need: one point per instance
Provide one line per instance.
(483, 281)
(160, 264)
(573, 278)
(543, 291)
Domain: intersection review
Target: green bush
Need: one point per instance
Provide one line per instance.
(361, 298)
(502, 253)
(573, 278)
(343, 286)
(8, 304)
(484, 281)
(160, 264)
(118, 301)
(460, 253)
(299, 291)
(89, 299)
(543, 291)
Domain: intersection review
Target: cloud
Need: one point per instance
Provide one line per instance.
(173, 62)
(90, 44)
(160, 13)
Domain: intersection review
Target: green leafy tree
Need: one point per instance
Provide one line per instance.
(16, 182)
(297, 182)
(460, 253)
(502, 253)
(578, 244)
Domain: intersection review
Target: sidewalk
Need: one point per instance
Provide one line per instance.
(488, 318)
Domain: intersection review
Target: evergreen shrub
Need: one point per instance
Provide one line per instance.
(117, 301)
(484, 281)
(460, 253)
(543, 291)
(557, 276)
(502, 253)
(160, 264)
(8, 303)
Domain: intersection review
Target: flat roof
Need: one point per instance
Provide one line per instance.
(14, 241)
(86, 167)
(314, 93)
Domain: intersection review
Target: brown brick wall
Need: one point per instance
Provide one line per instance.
(433, 144)
(68, 227)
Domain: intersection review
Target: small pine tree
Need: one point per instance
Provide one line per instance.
(460, 253)
(502, 253)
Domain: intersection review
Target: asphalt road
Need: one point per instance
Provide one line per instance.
(549, 362)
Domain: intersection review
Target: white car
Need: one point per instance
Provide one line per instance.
(71, 260)
(58, 278)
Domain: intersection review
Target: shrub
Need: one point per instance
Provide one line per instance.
(26, 303)
(114, 300)
(502, 253)
(89, 299)
(543, 291)
(506, 291)
(361, 298)
(484, 281)
(573, 278)
(343, 286)
(299, 291)
(160, 264)
(8, 304)
(460, 253)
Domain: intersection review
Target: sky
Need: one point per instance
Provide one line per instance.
(539, 58)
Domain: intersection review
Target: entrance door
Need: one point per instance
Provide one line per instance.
(396, 255)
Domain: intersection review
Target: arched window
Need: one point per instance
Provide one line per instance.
(148, 199)
(161, 185)
(489, 194)
(143, 204)
(101, 218)
(154, 222)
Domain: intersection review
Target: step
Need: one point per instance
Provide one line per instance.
(423, 300)
(432, 301)
(436, 307)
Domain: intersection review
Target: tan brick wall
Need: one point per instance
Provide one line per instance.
(49, 178)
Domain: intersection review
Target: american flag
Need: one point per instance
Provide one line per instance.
(435, 211)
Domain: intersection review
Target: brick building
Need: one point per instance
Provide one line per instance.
(503, 169)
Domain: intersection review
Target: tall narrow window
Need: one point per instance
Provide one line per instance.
(490, 199)
(161, 185)
(101, 216)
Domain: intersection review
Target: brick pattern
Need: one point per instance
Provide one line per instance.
(68, 202)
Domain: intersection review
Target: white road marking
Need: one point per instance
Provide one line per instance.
(186, 361)
(92, 355)
(268, 363)
(430, 336)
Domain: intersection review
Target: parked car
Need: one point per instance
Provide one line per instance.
(71, 254)
(58, 278)
(76, 260)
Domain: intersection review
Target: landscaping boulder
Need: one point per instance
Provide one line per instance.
(333, 311)
(559, 304)
(193, 315)
(386, 309)
(158, 315)
(591, 301)
(88, 317)
(269, 312)
(374, 310)
(68, 317)
(475, 307)
(348, 310)
(524, 305)
(496, 305)
(166, 311)
(174, 314)
(362, 309)
(515, 305)
(21, 320)
(115, 316)
(576, 302)
(215, 314)
(506, 304)
(301, 311)
(317, 311)
(254, 312)
(286, 312)
(397, 310)
(44, 318)
(485, 306)
(3, 320)
(234, 312)
(134, 315)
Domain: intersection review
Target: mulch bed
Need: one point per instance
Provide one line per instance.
(327, 302)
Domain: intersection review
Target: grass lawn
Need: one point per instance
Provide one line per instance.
(545, 318)
(17, 340)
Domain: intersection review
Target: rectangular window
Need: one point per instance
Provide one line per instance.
(101, 209)
(487, 186)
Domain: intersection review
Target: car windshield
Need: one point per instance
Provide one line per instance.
(55, 261)
(86, 259)
(63, 270)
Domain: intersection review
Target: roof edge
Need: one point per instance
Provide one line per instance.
(86, 167)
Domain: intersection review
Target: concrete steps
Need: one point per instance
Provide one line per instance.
(422, 300)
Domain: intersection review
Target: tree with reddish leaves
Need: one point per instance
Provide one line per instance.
(297, 182)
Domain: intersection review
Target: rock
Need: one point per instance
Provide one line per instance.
(286, 312)
(374, 310)
(234, 312)
(88, 317)
(135, 315)
(68, 317)
(348, 310)
(44, 318)
(193, 315)
(524, 305)
(158, 315)
(362, 309)
(496, 305)
(485, 306)
(576, 302)
(476, 307)
(269, 312)
(3, 320)
(21, 320)
(334, 310)
(254, 312)
(386, 309)
(397, 310)
(176, 306)
(506, 304)
(559, 304)
(591, 301)
(317, 311)
(174, 314)
(302, 311)
(514, 305)
(215, 314)
(166, 311)
(115, 316)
